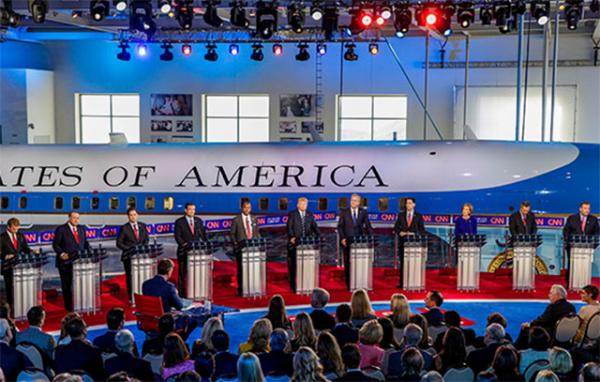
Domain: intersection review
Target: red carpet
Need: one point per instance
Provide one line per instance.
(384, 284)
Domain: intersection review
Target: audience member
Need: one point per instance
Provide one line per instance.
(6, 314)
(204, 346)
(453, 353)
(538, 344)
(546, 376)
(589, 295)
(307, 367)
(494, 318)
(277, 314)
(351, 359)
(433, 302)
(369, 336)
(590, 372)
(12, 361)
(561, 364)
(189, 376)
(432, 376)
(388, 341)
(412, 365)
(426, 341)
(176, 357)
(225, 362)
(79, 353)
(362, 311)
(125, 360)
(320, 318)
(400, 314)
(154, 345)
(343, 331)
(330, 355)
(248, 368)
(277, 362)
(115, 320)
(486, 376)
(63, 337)
(481, 359)
(412, 338)
(258, 341)
(506, 364)
(36, 316)
(304, 332)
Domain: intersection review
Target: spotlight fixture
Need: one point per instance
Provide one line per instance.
(373, 48)
(38, 10)
(295, 17)
(402, 18)
(167, 55)
(257, 53)
(303, 54)
(350, 54)
(465, 14)
(573, 9)
(142, 50)
(316, 12)
(540, 10)
(211, 16)
(508, 27)
(277, 49)
(321, 49)
(185, 14)
(124, 55)
(502, 13)
(385, 11)
(120, 5)
(361, 20)
(8, 17)
(140, 18)
(234, 49)
(99, 9)
(186, 49)
(164, 6)
(238, 15)
(486, 14)
(330, 22)
(428, 15)
(266, 19)
(211, 53)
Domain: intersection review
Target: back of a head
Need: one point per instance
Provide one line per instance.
(124, 341)
(220, 340)
(189, 376)
(506, 359)
(319, 298)
(590, 372)
(174, 350)
(486, 376)
(164, 267)
(546, 376)
(371, 333)
(413, 334)
(351, 356)
(412, 361)
(495, 333)
(432, 376)
(120, 376)
(166, 324)
(560, 360)
(67, 377)
(115, 318)
(343, 313)
(76, 328)
(497, 318)
(436, 297)
(452, 318)
(35, 315)
(279, 339)
(248, 368)
(539, 339)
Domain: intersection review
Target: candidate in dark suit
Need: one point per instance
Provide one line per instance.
(301, 223)
(243, 227)
(522, 222)
(353, 221)
(159, 286)
(12, 242)
(408, 222)
(131, 234)
(466, 224)
(188, 229)
(583, 223)
(69, 238)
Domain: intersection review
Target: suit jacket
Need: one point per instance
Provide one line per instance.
(434, 316)
(12, 361)
(225, 364)
(79, 355)
(516, 227)
(481, 359)
(134, 367)
(7, 246)
(106, 342)
(347, 228)
(184, 235)
(552, 314)
(345, 334)
(322, 320)
(64, 242)
(294, 224)
(573, 226)
(355, 375)
(159, 287)
(395, 363)
(37, 337)
(238, 229)
(127, 239)
(276, 363)
(417, 225)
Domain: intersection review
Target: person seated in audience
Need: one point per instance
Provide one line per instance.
(248, 368)
(400, 314)
(343, 331)
(79, 353)
(258, 340)
(304, 332)
(452, 320)
(590, 372)
(307, 366)
(12, 361)
(413, 335)
(362, 311)
(538, 344)
(154, 345)
(432, 376)
(6, 314)
(481, 359)
(561, 364)
(494, 318)
(190, 376)
(330, 355)
(412, 365)
(546, 376)
(277, 362)
(320, 318)
(426, 341)
(160, 286)
(388, 341)
(67, 377)
(203, 349)
(369, 336)
(433, 302)
(506, 364)
(115, 320)
(63, 338)
(176, 357)
(277, 314)
(453, 353)
(351, 359)
(125, 359)
(486, 376)
(225, 362)
(589, 295)
(558, 308)
(36, 316)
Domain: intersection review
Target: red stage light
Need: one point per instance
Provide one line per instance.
(277, 49)
(186, 50)
(379, 21)
(366, 19)
(431, 18)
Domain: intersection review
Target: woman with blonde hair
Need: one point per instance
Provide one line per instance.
(204, 343)
(362, 311)
(248, 368)
(561, 363)
(258, 340)
(304, 332)
(466, 224)
(369, 336)
(400, 314)
(307, 367)
(330, 355)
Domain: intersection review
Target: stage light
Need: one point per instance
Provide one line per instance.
(400, 34)
(99, 9)
(466, 14)
(140, 18)
(379, 21)
(211, 53)
(540, 11)
(8, 17)
(124, 55)
(186, 49)
(350, 54)
(502, 13)
(164, 6)
(142, 50)
(295, 17)
(330, 22)
(234, 49)
(316, 12)
(185, 15)
(366, 19)
(266, 19)
(303, 54)
(76, 14)
(120, 5)
(238, 15)
(402, 18)
(427, 15)
(211, 16)
(321, 49)
(486, 14)
(277, 49)
(257, 53)
(573, 9)
(373, 48)
(167, 55)
(385, 11)
(38, 10)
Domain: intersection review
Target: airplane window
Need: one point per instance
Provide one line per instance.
(401, 204)
(113, 203)
(263, 204)
(23, 202)
(168, 203)
(243, 200)
(75, 203)
(150, 203)
(343, 203)
(58, 203)
(364, 202)
(384, 204)
(283, 204)
(4, 202)
(95, 203)
(322, 204)
(131, 202)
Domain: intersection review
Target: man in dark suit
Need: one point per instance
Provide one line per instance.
(243, 227)
(351, 359)
(583, 223)
(301, 223)
(353, 222)
(115, 320)
(131, 234)
(159, 286)
(126, 360)
(320, 318)
(481, 359)
(522, 222)
(225, 363)
(188, 229)
(277, 362)
(343, 331)
(12, 242)
(408, 222)
(79, 354)
(433, 301)
(69, 239)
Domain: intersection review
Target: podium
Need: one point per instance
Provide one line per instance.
(87, 275)
(524, 251)
(362, 254)
(254, 267)
(308, 259)
(143, 264)
(200, 270)
(581, 256)
(469, 261)
(27, 281)
(415, 262)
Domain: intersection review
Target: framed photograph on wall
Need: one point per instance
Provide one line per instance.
(296, 105)
(288, 127)
(161, 125)
(184, 126)
(307, 126)
(171, 105)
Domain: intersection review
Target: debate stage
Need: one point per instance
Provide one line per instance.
(493, 286)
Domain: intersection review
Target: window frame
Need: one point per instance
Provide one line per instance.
(110, 116)
(237, 117)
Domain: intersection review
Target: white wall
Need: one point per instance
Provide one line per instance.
(40, 106)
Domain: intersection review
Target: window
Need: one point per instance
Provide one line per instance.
(150, 203)
(101, 114)
(131, 203)
(58, 203)
(364, 202)
(95, 203)
(372, 118)
(75, 203)
(283, 204)
(23, 202)
(343, 203)
(236, 119)
(263, 204)
(168, 203)
(383, 204)
(322, 204)
(4, 202)
(113, 203)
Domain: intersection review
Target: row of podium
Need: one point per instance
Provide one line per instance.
(87, 267)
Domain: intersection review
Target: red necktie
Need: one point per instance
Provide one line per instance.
(248, 229)
(15, 243)
(135, 231)
(192, 226)
(583, 225)
(525, 222)
(76, 234)
(409, 219)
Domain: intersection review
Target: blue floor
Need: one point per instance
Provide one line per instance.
(238, 324)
